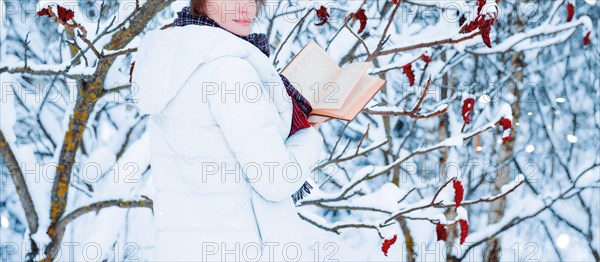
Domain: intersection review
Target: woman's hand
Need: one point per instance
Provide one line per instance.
(316, 120)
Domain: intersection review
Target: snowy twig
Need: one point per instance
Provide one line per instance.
(390, 67)
(449, 40)
(338, 140)
(402, 213)
(340, 197)
(29, 70)
(63, 222)
(384, 36)
(129, 18)
(413, 113)
(116, 89)
(355, 208)
(121, 52)
(484, 199)
(58, 229)
(82, 34)
(355, 35)
(336, 228)
(545, 29)
(508, 222)
(448, 142)
(437, 193)
(362, 139)
(289, 35)
(10, 161)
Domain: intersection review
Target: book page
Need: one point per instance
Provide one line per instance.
(310, 71)
(364, 92)
(360, 96)
(345, 83)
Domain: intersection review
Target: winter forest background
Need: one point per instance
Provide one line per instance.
(497, 158)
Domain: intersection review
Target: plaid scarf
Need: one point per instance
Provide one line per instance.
(301, 106)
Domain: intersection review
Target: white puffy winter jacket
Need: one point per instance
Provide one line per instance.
(221, 161)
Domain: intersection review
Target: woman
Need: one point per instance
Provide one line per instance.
(223, 161)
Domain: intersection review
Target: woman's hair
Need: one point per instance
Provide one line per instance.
(199, 8)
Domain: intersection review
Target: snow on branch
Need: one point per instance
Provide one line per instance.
(79, 72)
(510, 44)
(345, 204)
(64, 221)
(413, 113)
(528, 209)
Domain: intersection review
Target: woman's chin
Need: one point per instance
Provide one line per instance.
(242, 31)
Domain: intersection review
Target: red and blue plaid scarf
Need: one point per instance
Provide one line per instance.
(301, 106)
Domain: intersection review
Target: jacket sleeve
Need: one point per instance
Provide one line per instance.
(248, 119)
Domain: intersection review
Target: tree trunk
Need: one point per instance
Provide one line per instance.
(505, 154)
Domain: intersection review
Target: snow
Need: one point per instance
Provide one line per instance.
(80, 69)
(360, 174)
(505, 111)
(518, 179)
(527, 44)
(452, 141)
(441, 107)
(431, 36)
(550, 140)
(589, 178)
(97, 164)
(7, 107)
(461, 214)
(39, 183)
(490, 8)
(435, 67)
(544, 29)
(441, 218)
(123, 181)
(397, 63)
(3, 33)
(386, 199)
(572, 138)
(530, 148)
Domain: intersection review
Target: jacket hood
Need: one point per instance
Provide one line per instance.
(167, 58)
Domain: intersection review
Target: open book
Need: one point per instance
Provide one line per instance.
(332, 91)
